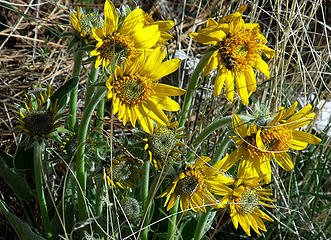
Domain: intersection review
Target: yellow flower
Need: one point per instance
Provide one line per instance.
(244, 202)
(164, 27)
(122, 172)
(84, 23)
(256, 146)
(195, 186)
(127, 40)
(237, 50)
(136, 93)
(161, 144)
(39, 118)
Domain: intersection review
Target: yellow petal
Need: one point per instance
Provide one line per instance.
(163, 90)
(211, 22)
(165, 25)
(270, 53)
(262, 66)
(133, 22)
(144, 120)
(219, 80)
(284, 160)
(229, 86)
(111, 17)
(116, 104)
(155, 113)
(146, 37)
(301, 113)
(298, 145)
(165, 103)
(242, 87)
(244, 223)
(208, 36)
(305, 137)
(228, 161)
(291, 110)
(239, 126)
(212, 63)
(164, 69)
(280, 116)
(250, 79)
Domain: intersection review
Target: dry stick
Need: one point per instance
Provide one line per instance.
(33, 40)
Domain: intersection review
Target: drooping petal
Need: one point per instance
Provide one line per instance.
(211, 64)
(155, 113)
(242, 87)
(229, 87)
(305, 137)
(163, 90)
(262, 66)
(222, 74)
(239, 126)
(144, 120)
(284, 160)
(250, 79)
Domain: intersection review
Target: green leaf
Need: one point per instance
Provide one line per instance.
(16, 182)
(23, 158)
(63, 91)
(22, 229)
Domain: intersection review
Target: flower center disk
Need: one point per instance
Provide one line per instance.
(239, 49)
(277, 138)
(162, 142)
(191, 183)
(249, 201)
(118, 44)
(132, 89)
(39, 122)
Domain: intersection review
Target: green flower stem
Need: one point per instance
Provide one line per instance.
(94, 72)
(221, 122)
(100, 114)
(202, 227)
(38, 151)
(222, 148)
(172, 222)
(145, 191)
(99, 204)
(216, 124)
(191, 88)
(80, 158)
(73, 96)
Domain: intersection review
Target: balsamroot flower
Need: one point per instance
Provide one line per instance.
(84, 23)
(122, 172)
(244, 202)
(237, 50)
(161, 144)
(195, 186)
(128, 40)
(137, 94)
(40, 117)
(164, 27)
(258, 145)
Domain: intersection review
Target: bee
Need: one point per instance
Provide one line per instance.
(229, 64)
